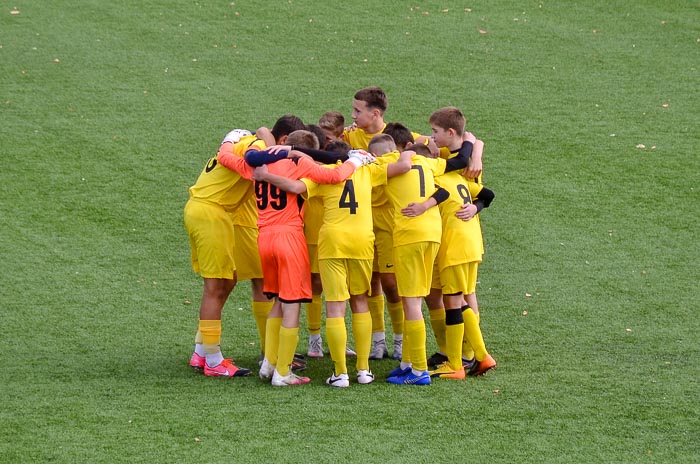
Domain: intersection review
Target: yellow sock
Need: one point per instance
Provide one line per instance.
(288, 341)
(211, 335)
(454, 334)
(198, 338)
(437, 322)
(313, 315)
(337, 340)
(260, 311)
(414, 332)
(473, 334)
(396, 316)
(272, 339)
(362, 332)
(376, 309)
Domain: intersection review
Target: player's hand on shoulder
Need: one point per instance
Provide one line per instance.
(469, 137)
(274, 149)
(260, 173)
(361, 157)
(235, 135)
(475, 165)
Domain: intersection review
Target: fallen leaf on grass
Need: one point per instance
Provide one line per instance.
(197, 440)
(528, 295)
(524, 313)
(15, 12)
(665, 105)
(628, 330)
(481, 31)
(56, 60)
(641, 146)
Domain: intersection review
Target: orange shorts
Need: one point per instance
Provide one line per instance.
(285, 264)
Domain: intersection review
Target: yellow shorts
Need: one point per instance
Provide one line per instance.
(212, 241)
(459, 278)
(436, 277)
(343, 277)
(383, 240)
(313, 257)
(246, 253)
(414, 268)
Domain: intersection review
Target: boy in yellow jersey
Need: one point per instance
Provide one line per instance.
(460, 252)
(345, 252)
(332, 123)
(383, 278)
(217, 195)
(313, 219)
(368, 107)
(416, 241)
(474, 342)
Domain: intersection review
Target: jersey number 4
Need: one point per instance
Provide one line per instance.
(347, 198)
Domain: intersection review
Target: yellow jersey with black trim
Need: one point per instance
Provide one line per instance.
(462, 241)
(346, 231)
(415, 186)
(221, 186)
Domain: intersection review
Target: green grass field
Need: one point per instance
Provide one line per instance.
(588, 289)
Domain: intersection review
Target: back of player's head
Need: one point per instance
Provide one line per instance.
(286, 125)
(449, 117)
(303, 138)
(400, 133)
(320, 135)
(332, 121)
(381, 144)
(374, 97)
(339, 146)
(420, 149)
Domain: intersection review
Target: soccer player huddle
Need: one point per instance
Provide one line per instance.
(369, 215)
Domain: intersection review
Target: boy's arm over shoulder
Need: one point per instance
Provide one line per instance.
(322, 175)
(226, 158)
(475, 165)
(282, 182)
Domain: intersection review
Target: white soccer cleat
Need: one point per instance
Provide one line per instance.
(364, 377)
(398, 349)
(315, 348)
(341, 380)
(266, 370)
(288, 380)
(379, 350)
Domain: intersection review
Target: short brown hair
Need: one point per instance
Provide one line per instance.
(332, 121)
(374, 97)
(401, 134)
(303, 138)
(449, 117)
(339, 146)
(420, 149)
(381, 144)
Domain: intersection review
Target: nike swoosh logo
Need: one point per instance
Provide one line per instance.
(416, 380)
(389, 265)
(336, 380)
